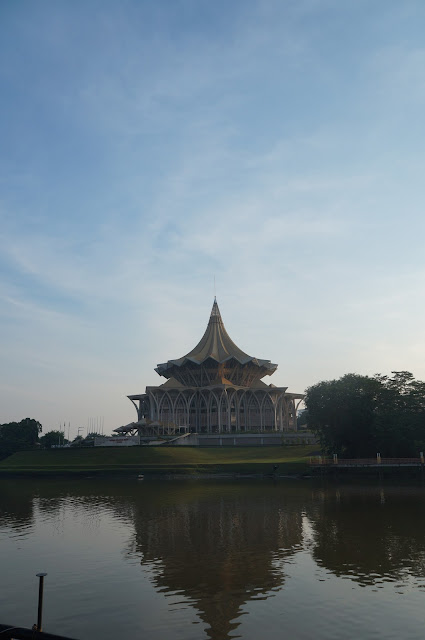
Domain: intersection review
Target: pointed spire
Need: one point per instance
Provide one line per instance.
(216, 342)
(215, 311)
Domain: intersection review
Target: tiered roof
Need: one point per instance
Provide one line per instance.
(216, 348)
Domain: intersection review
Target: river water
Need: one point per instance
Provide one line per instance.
(191, 559)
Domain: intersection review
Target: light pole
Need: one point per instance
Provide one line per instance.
(40, 599)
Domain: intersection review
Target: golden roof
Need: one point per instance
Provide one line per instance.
(217, 345)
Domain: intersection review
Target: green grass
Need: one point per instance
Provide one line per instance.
(158, 460)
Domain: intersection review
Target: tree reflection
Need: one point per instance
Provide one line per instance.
(219, 545)
(371, 536)
(16, 504)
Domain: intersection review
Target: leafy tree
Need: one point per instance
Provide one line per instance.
(341, 413)
(17, 436)
(52, 438)
(88, 441)
(360, 415)
(400, 421)
(92, 435)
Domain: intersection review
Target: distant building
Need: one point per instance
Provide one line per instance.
(214, 389)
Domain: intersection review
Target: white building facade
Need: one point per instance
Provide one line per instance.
(216, 388)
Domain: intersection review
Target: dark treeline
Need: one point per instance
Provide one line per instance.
(25, 435)
(359, 416)
(18, 436)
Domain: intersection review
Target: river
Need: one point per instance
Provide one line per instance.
(195, 559)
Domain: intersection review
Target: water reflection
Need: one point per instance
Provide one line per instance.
(218, 547)
(16, 506)
(372, 535)
(212, 547)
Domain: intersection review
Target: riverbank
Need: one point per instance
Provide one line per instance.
(290, 460)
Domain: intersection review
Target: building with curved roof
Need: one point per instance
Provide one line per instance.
(216, 389)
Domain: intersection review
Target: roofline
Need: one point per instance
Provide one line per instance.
(216, 345)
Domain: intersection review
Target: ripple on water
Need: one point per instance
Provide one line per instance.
(222, 560)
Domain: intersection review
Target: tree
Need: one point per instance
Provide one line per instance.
(88, 441)
(17, 436)
(361, 415)
(400, 421)
(52, 438)
(341, 413)
(92, 435)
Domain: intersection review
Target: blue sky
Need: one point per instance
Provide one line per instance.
(146, 147)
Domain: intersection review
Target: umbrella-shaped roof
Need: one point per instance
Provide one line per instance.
(216, 345)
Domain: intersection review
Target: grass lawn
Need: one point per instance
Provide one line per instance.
(159, 460)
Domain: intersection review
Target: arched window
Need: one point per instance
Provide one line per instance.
(268, 420)
(180, 414)
(242, 412)
(213, 414)
(165, 410)
(202, 415)
(234, 422)
(193, 414)
(253, 412)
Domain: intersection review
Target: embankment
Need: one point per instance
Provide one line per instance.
(159, 461)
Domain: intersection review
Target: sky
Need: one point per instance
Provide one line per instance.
(150, 147)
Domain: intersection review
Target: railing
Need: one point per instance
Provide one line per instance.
(365, 462)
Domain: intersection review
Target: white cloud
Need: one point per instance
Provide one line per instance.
(235, 154)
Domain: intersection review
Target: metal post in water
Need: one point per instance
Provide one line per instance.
(40, 600)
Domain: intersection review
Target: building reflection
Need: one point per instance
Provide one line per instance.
(370, 535)
(218, 547)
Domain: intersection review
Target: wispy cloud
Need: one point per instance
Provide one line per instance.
(273, 145)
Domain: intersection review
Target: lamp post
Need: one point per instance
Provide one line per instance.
(40, 599)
